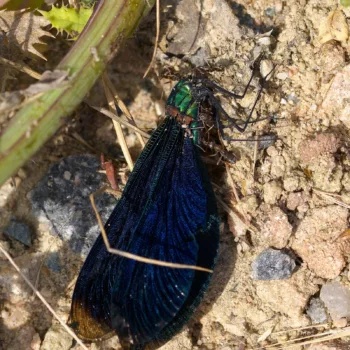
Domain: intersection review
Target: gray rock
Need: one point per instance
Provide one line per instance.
(61, 200)
(265, 141)
(272, 264)
(186, 35)
(337, 300)
(53, 262)
(200, 58)
(19, 231)
(317, 311)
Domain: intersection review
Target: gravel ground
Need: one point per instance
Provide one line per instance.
(293, 193)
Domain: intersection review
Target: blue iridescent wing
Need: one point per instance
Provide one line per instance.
(167, 212)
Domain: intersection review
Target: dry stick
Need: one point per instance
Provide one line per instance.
(124, 109)
(157, 39)
(117, 126)
(301, 328)
(233, 214)
(120, 120)
(38, 275)
(293, 342)
(234, 189)
(71, 285)
(82, 141)
(325, 336)
(344, 235)
(8, 257)
(230, 179)
(21, 67)
(246, 222)
(335, 198)
(313, 341)
(137, 257)
(336, 335)
(107, 189)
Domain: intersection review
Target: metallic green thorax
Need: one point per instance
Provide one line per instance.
(182, 99)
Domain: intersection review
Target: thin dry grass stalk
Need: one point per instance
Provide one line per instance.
(117, 126)
(234, 189)
(82, 141)
(124, 109)
(20, 67)
(137, 257)
(332, 197)
(328, 335)
(234, 214)
(120, 120)
(157, 39)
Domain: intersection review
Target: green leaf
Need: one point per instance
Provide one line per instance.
(68, 19)
(345, 3)
(14, 5)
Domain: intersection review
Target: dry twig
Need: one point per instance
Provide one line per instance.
(117, 126)
(137, 257)
(156, 41)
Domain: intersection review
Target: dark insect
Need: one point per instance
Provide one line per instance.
(167, 212)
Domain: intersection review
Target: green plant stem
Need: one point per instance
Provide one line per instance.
(112, 22)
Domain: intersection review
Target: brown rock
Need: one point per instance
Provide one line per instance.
(36, 342)
(323, 144)
(338, 96)
(272, 192)
(316, 240)
(332, 57)
(295, 200)
(277, 229)
(341, 323)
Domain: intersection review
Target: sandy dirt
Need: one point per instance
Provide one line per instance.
(281, 190)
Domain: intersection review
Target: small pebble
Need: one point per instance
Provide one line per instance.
(313, 107)
(19, 231)
(270, 11)
(337, 300)
(340, 323)
(266, 68)
(292, 98)
(36, 342)
(272, 264)
(317, 311)
(272, 192)
(265, 41)
(53, 262)
(282, 75)
(278, 6)
(67, 175)
(200, 58)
